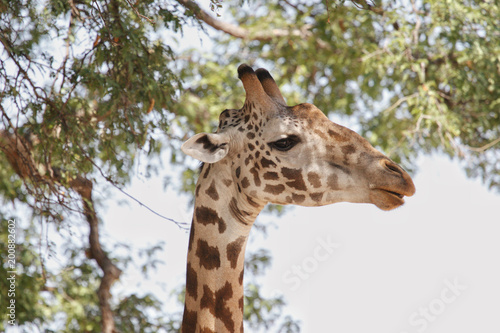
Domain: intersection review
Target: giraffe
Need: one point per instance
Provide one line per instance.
(268, 152)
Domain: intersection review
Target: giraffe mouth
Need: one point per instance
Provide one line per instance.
(399, 195)
(392, 193)
(387, 199)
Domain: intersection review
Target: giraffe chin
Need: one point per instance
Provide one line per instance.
(385, 199)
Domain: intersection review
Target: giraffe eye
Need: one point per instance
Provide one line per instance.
(285, 144)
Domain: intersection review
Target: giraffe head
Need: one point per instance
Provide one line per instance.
(283, 154)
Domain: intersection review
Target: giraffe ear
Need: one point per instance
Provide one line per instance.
(207, 147)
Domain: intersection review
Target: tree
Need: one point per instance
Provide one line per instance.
(88, 86)
(72, 117)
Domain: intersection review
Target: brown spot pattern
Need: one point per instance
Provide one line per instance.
(348, 149)
(274, 189)
(191, 282)
(233, 251)
(298, 198)
(191, 236)
(222, 311)
(267, 163)
(314, 179)
(209, 255)
(337, 136)
(207, 300)
(316, 196)
(271, 175)
(206, 216)
(245, 182)
(255, 174)
(295, 175)
(207, 170)
(333, 182)
(189, 321)
(248, 159)
(211, 191)
(216, 304)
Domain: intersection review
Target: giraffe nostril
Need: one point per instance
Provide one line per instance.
(392, 167)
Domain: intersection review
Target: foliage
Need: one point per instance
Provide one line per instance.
(256, 308)
(63, 298)
(87, 84)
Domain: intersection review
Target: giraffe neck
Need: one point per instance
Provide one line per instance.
(222, 221)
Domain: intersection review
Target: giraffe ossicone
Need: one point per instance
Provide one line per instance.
(268, 152)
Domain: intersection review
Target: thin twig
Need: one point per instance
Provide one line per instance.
(139, 14)
(400, 101)
(363, 4)
(485, 147)
(374, 54)
(182, 225)
(418, 22)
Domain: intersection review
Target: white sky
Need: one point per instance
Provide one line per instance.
(438, 253)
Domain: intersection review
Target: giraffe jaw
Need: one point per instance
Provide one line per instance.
(386, 199)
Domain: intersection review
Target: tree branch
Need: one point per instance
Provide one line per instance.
(202, 15)
(418, 22)
(139, 14)
(400, 101)
(363, 4)
(485, 147)
(112, 273)
(18, 152)
(242, 33)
